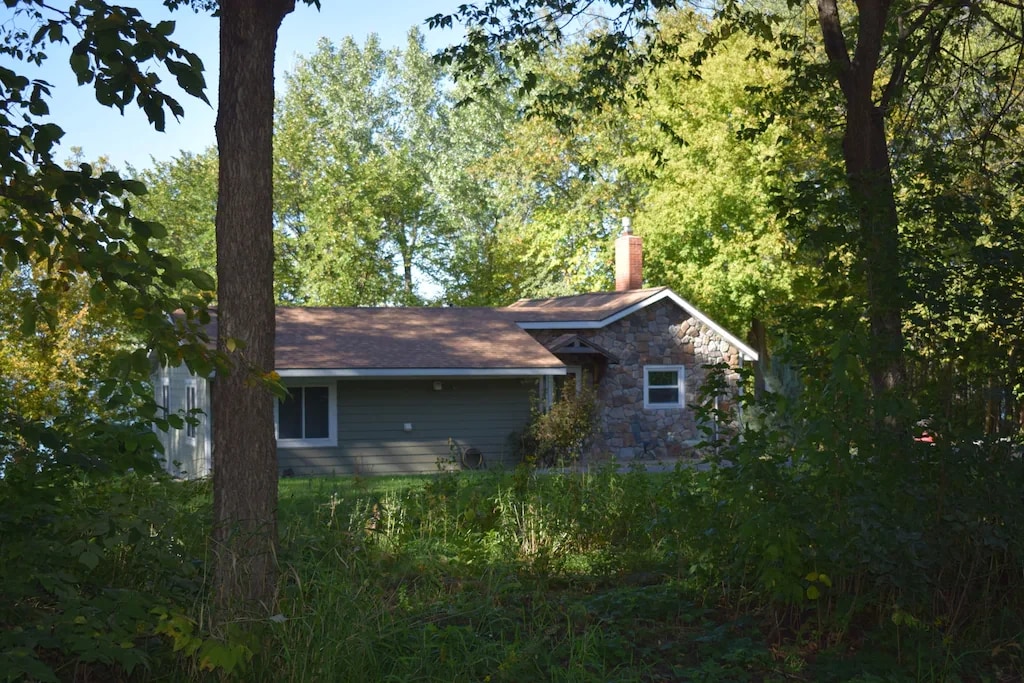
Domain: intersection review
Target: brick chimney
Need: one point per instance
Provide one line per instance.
(629, 259)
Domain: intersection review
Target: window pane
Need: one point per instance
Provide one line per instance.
(317, 412)
(559, 383)
(190, 405)
(670, 396)
(662, 378)
(289, 415)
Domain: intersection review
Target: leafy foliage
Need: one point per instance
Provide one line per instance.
(181, 194)
(87, 306)
(87, 566)
(559, 435)
(560, 190)
(709, 217)
(361, 135)
(70, 243)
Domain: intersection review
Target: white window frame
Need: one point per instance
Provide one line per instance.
(165, 396)
(332, 417)
(191, 403)
(680, 371)
(547, 387)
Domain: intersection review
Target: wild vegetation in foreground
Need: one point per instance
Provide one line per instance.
(809, 566)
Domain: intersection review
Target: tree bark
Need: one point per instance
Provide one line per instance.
(244, 450)
(869, 176)
(870, 179)
(758, 340)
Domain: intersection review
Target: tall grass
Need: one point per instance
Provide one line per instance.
(808, 564)
(451, 579)
(519, 575)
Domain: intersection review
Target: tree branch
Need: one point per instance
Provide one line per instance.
(872, 15)
(835, 42)
(903, 62)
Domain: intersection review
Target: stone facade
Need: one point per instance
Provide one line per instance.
(660, 334)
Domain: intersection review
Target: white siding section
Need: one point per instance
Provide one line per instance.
(184, 456)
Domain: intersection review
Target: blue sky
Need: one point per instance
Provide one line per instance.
(129, 139)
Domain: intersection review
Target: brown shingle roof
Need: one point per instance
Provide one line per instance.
(405, 338)
(393, 340)
(579, 307)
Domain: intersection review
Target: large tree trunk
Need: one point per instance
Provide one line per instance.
(871, 187)
(245, 459)
(869, 176)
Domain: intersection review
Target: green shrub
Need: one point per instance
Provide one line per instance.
(87, 565)
(560, 434)
(832, 521)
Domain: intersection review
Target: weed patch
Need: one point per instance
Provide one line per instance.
(812, 567)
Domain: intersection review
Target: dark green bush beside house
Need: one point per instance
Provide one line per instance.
(402, 390)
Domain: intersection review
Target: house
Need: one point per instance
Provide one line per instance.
(402, 390)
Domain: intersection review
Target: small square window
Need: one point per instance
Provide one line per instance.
(663, 386)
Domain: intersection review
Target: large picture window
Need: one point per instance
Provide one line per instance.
(663, 386)
(308, 416)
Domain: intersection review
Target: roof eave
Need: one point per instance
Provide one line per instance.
(666, 293)
(399, 373)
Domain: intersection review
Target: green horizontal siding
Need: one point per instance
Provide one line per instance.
(372, 414)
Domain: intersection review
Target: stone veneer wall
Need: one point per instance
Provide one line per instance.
(661, 334)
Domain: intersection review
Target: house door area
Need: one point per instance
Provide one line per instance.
(555, 388)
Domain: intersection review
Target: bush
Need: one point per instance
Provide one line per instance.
(560, 434)
(87, 565)
(830, 520)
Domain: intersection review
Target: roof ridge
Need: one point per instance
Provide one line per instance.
(582, 294)
(387, 308)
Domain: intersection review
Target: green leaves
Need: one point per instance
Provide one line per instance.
(190, 77)
(78, 267)
(178, 211)
(113, 53)
(87, 565)
(709, 218)
(361, 139)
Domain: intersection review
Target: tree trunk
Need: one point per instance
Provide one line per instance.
(245, 459)
(407, 248)
(758, 340)
(871, 188)
(407, 282)
(869, 177)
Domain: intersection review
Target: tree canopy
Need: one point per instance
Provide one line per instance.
(859, 91)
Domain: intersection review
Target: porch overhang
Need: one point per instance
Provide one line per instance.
(575, 345)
